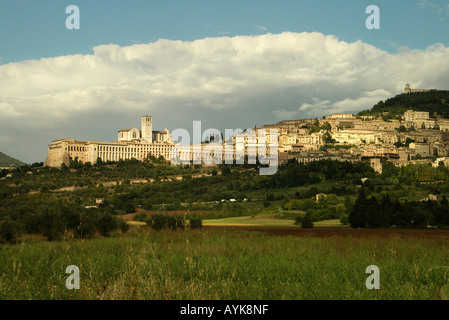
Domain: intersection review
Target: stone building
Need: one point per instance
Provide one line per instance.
(411, 115)
(420, 148)
(376, 164)
(409, 90)
(132, 143)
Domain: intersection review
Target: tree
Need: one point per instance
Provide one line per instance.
(307, 222)
(420, 218)
(441, 214)
(225, 170)
(196, 222)
(344, 219)
(8, 230)
(348, 203)
(157, 221)
(357, 217)
(51, 224)
(88, 224)
(398, 144)
(389, 170)
(172, 223)
(106, 224)
(373, 214)
(123, 225)
(327, 138)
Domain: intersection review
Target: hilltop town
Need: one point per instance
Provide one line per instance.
(411, 137)
(408, 137)
(344, 136)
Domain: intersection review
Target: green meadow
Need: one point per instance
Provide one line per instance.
(225, 263)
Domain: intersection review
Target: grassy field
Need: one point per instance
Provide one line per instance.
(266, 220)
(257, 220)
(230, 263)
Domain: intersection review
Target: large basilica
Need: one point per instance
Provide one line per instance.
(131, 143)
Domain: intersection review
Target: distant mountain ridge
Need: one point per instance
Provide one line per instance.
(7, 161)
(433, 101)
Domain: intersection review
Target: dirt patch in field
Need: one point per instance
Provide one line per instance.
(325, 232)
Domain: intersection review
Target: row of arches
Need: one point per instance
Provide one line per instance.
(77, 148)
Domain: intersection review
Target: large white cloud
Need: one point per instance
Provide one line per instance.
(227, 82)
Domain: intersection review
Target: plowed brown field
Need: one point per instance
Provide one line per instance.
(325, 232)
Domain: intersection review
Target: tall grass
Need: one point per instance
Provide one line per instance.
(225, 264)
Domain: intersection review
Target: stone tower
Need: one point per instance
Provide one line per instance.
(407, 88)
(147, 129)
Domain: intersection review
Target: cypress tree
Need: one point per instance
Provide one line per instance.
(357, 217)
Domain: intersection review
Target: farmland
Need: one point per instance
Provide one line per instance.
(251, 244)
(231, 262)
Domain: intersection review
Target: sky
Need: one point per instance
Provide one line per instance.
(229, 64)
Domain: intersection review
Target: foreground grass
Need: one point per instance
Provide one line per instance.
(222, 263)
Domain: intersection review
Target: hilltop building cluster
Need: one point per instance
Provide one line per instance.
(346, 137)
(416, 137)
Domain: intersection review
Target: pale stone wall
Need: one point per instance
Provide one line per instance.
(62, 151)
(57, 154)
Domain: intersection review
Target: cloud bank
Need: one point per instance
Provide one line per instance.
(227, 82)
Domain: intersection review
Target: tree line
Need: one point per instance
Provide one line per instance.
(385, 213)
(57, 219)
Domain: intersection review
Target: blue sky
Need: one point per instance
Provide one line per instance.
(32, 29)
(230, 64)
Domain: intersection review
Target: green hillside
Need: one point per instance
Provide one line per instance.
(7, 161)
(434, 101)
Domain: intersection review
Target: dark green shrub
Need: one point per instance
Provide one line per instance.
(307, 222)
(8, 230)
(180, 222)
(71, 218)
(196, 222)
(171, 222)
(106, 224)
(157, 221)
(140, 217)
(31, 223)
(51, 224)
(88, 225)
(122, 225)
(298, 220)
(344, 219)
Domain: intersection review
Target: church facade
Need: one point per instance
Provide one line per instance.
(131, 143)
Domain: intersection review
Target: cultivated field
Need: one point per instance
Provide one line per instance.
(233, 262)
